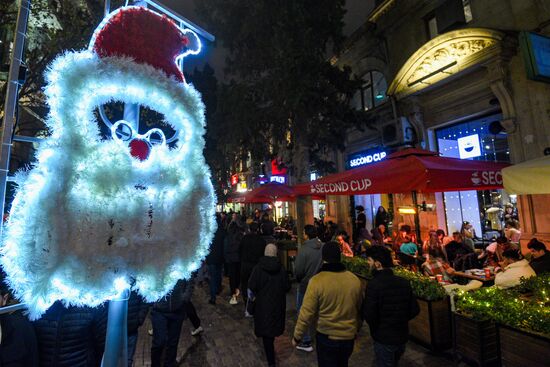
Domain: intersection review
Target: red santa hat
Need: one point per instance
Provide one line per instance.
(146, 37)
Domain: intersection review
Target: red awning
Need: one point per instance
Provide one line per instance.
(267, 193)
(409, 170)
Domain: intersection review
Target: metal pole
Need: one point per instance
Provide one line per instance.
(116, 341)
(107, 7)
(416, 216)
(12, 97)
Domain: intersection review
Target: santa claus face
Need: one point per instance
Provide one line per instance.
(91, 217)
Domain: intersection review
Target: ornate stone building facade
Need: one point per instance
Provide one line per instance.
(452, 70)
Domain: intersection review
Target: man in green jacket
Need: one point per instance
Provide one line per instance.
(333, 298)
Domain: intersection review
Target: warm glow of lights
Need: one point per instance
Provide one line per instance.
(406, 210)
(446, 54)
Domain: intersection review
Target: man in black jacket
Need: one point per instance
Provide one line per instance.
(252, 249)
(167, 317)
(388, 307)
(214, 261)
(17, 339)
(70, 336)
(540, 261)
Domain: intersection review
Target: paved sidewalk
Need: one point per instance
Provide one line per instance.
(229, 341)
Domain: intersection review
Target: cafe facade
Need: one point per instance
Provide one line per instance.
(463, 91)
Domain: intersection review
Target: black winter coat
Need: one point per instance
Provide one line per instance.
(232, 243)
(68, 337)
(174, 301)
(252, 248)
(215, 255)
(18, 343)
(269, 283)
(389, 305)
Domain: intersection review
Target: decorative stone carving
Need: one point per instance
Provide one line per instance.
(445, 56)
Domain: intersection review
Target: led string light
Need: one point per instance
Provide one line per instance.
(84, 183)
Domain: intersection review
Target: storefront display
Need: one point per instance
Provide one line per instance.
(475, 140)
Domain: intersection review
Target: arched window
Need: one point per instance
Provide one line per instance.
(372, 93)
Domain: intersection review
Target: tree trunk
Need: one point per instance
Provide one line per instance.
(301, 174)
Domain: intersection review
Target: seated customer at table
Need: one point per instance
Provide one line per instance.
(456, 248)
(514, 269)
(400, 237)
(442, 237)
(432, 248)
(434, 266)
(408, 247)
(492, 255)
(540, 261)
(380, 235)
(345, 248)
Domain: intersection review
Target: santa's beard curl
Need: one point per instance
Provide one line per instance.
(89, 217)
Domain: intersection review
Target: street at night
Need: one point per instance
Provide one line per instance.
(290, 183)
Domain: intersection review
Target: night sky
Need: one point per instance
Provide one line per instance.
(356, 15)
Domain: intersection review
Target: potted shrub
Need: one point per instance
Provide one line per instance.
(432, 327)
(522, 315)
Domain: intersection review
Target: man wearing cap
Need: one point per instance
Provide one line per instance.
(333, 298)
(389, 305)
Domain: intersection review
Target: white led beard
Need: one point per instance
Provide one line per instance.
(89, 218)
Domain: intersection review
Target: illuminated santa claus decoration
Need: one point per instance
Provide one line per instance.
(96, 215)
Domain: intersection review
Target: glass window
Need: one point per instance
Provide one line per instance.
(372, 93)
(482, 140)
(431, 23)
(431, 19)
(467, 11)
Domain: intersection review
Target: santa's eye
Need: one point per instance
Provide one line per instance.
(155, 136)
(122, 130)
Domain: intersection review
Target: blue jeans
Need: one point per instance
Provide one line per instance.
(132, 342)
(215, 280)
(388, 355)
(306, 338)
(333, 353)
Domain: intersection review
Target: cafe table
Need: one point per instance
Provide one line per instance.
(476, 274)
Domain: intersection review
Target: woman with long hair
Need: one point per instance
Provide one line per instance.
(433, 248)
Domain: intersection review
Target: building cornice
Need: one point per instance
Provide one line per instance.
(384, 7)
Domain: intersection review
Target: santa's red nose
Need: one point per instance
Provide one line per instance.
(140, 149)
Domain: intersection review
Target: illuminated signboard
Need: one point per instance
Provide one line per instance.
(535, 49)
(278, 179)
(468, 146)
(363, 158)
(234, 179)
(277, 167)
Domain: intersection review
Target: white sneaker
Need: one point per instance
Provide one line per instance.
(197, 331)
(306, 347)
(246, 314)
(233, 300)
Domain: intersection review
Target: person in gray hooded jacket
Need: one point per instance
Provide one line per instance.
(308, 262)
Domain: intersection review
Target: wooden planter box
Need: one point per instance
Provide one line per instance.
(475, 342)
(432, 327)
(519, 348)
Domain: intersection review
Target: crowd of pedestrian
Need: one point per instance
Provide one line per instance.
(330, 300)
(332, 303)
